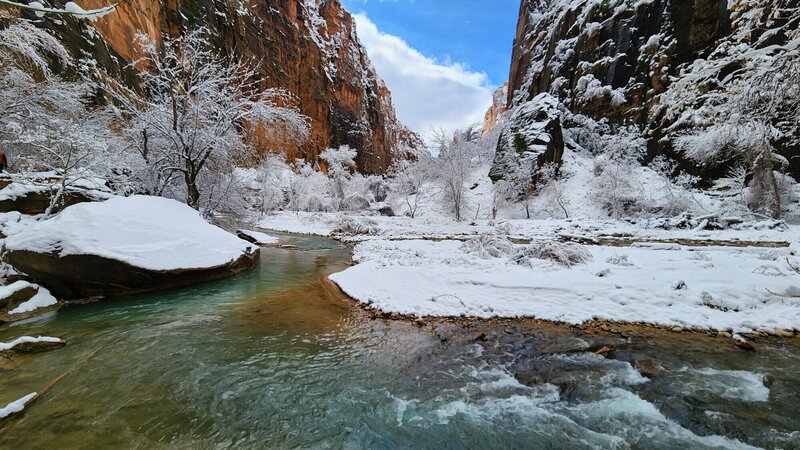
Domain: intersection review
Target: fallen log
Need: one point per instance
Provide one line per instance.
(20, 405)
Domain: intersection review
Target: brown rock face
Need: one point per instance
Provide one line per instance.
(82, 276)
(309, 48)
(499, 106)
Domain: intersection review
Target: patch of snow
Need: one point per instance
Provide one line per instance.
(424, 278)
(16, 406)
(42, 299)
(16, 190)
(26, 340)
(13, 288)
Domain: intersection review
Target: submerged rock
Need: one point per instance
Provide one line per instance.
(126, 246)
(648, 368)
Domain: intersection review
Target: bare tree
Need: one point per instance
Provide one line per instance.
(198, 106)
(451, 169)
(409, 181)
(47, 122)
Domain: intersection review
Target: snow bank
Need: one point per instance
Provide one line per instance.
(708, 288)
(148, 232)
(16, 406)
(26, 340)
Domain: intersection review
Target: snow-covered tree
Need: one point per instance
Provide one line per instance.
(451, 169)
(341, 167)
(616, 167)
(48, 124)
(410, 183)
(189, 130)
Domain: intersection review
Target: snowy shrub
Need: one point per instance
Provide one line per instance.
(769, 270)
(619, 260)
(617, 170)
(352, 226)
(377, 188)
(489, 245)
(566, 254)
(505, 228)
(675, 186)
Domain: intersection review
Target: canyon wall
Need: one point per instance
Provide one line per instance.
(623, 61)
(309, 47)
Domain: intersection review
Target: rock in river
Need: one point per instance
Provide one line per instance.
(126, 245)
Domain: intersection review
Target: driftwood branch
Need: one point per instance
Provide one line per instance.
(41, 393)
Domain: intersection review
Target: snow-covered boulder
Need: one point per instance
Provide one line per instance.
(126, 245)
(34, 198)
(22, 299)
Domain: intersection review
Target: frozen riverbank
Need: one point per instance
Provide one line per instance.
(743, 283)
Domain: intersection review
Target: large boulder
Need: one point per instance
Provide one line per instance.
(126, 246)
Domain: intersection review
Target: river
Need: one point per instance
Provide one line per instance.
(277, 358)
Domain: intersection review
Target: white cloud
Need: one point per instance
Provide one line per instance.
(427, 93)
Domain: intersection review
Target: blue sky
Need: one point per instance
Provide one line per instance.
(441, 58)
(477, 33)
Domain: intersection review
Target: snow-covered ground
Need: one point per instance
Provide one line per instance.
(149, 232)
(634, 272)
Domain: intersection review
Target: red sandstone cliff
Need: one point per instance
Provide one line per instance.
(308, 47)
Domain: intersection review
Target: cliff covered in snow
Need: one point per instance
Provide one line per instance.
(668, 68)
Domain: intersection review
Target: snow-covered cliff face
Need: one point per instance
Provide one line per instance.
(660, 66)
(308, 47)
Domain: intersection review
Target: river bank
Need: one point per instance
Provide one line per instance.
(736, 282)
(277, 357)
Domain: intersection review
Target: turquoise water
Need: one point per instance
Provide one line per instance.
(276, 358)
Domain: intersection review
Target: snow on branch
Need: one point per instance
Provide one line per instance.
(70, 9)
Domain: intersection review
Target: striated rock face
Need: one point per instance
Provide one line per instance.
(308, 47)
(624, 60)
(622, 49)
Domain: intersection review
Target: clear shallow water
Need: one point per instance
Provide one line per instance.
(276, 358)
